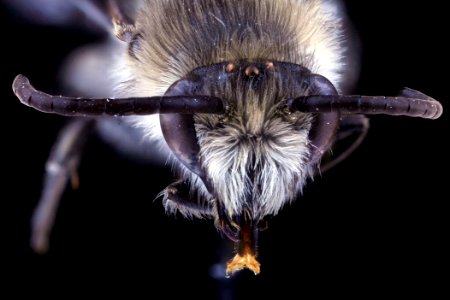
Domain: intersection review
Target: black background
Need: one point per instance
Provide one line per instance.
(375, 225)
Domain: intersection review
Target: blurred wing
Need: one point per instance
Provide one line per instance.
(88, 14)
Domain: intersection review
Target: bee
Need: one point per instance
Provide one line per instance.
(246, 98)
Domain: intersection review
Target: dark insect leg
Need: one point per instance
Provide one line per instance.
(177, 198)
(226, 224)
(352, 131)
(61, 165)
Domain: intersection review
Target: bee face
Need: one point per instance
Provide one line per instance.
(244, 95)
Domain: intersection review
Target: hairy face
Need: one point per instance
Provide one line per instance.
(256, 155)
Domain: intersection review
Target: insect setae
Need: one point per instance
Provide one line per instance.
(246, 97)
